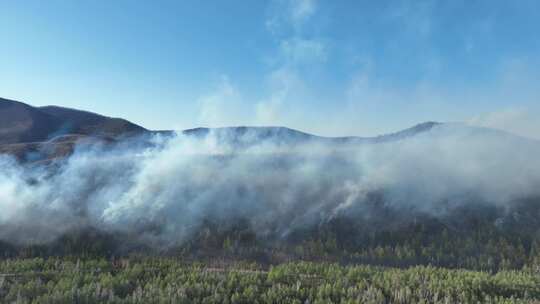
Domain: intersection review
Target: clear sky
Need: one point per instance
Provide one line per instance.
(330, 67)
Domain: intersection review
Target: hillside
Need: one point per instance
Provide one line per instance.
(22, 123)
(42, 133)
(246, 136)
(87, 123)
(448, 195)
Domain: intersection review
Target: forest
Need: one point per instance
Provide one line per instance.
(170, 280)
(473, 237)
(472, 255)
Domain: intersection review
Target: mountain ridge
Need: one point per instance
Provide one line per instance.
(53, 131)
(269, 131)
(80, 117)
(23, 123)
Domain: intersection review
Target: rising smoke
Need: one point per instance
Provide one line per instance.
(164, 191)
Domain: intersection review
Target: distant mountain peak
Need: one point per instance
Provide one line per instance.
(416, 129)
(20, 123)
(426, 125)
(24, 127)
(26, 130)
(263, 131)
(247, 135)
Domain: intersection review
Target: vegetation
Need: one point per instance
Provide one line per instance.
(168, 280)
(469, 256)
(479, 239)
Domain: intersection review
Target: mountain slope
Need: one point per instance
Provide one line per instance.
(246, 136)
(36, 134)
(87, 123)
(41, 133)
(21, 123)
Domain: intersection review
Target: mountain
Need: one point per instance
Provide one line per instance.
(87, 123)
(43, 133)
(37, 133)
(246, 136)
(20, 123)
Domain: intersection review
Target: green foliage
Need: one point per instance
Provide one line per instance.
(168, 280)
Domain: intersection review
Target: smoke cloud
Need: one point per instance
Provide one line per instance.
(163, 192)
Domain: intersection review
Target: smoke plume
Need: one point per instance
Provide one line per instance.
(163, 192)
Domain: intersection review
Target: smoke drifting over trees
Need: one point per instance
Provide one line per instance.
(164, 192)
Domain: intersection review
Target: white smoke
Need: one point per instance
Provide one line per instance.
(176, 184)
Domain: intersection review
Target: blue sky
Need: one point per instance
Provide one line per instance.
(327, 67)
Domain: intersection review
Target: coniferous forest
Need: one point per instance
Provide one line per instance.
(469, 257)
(168, 280)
